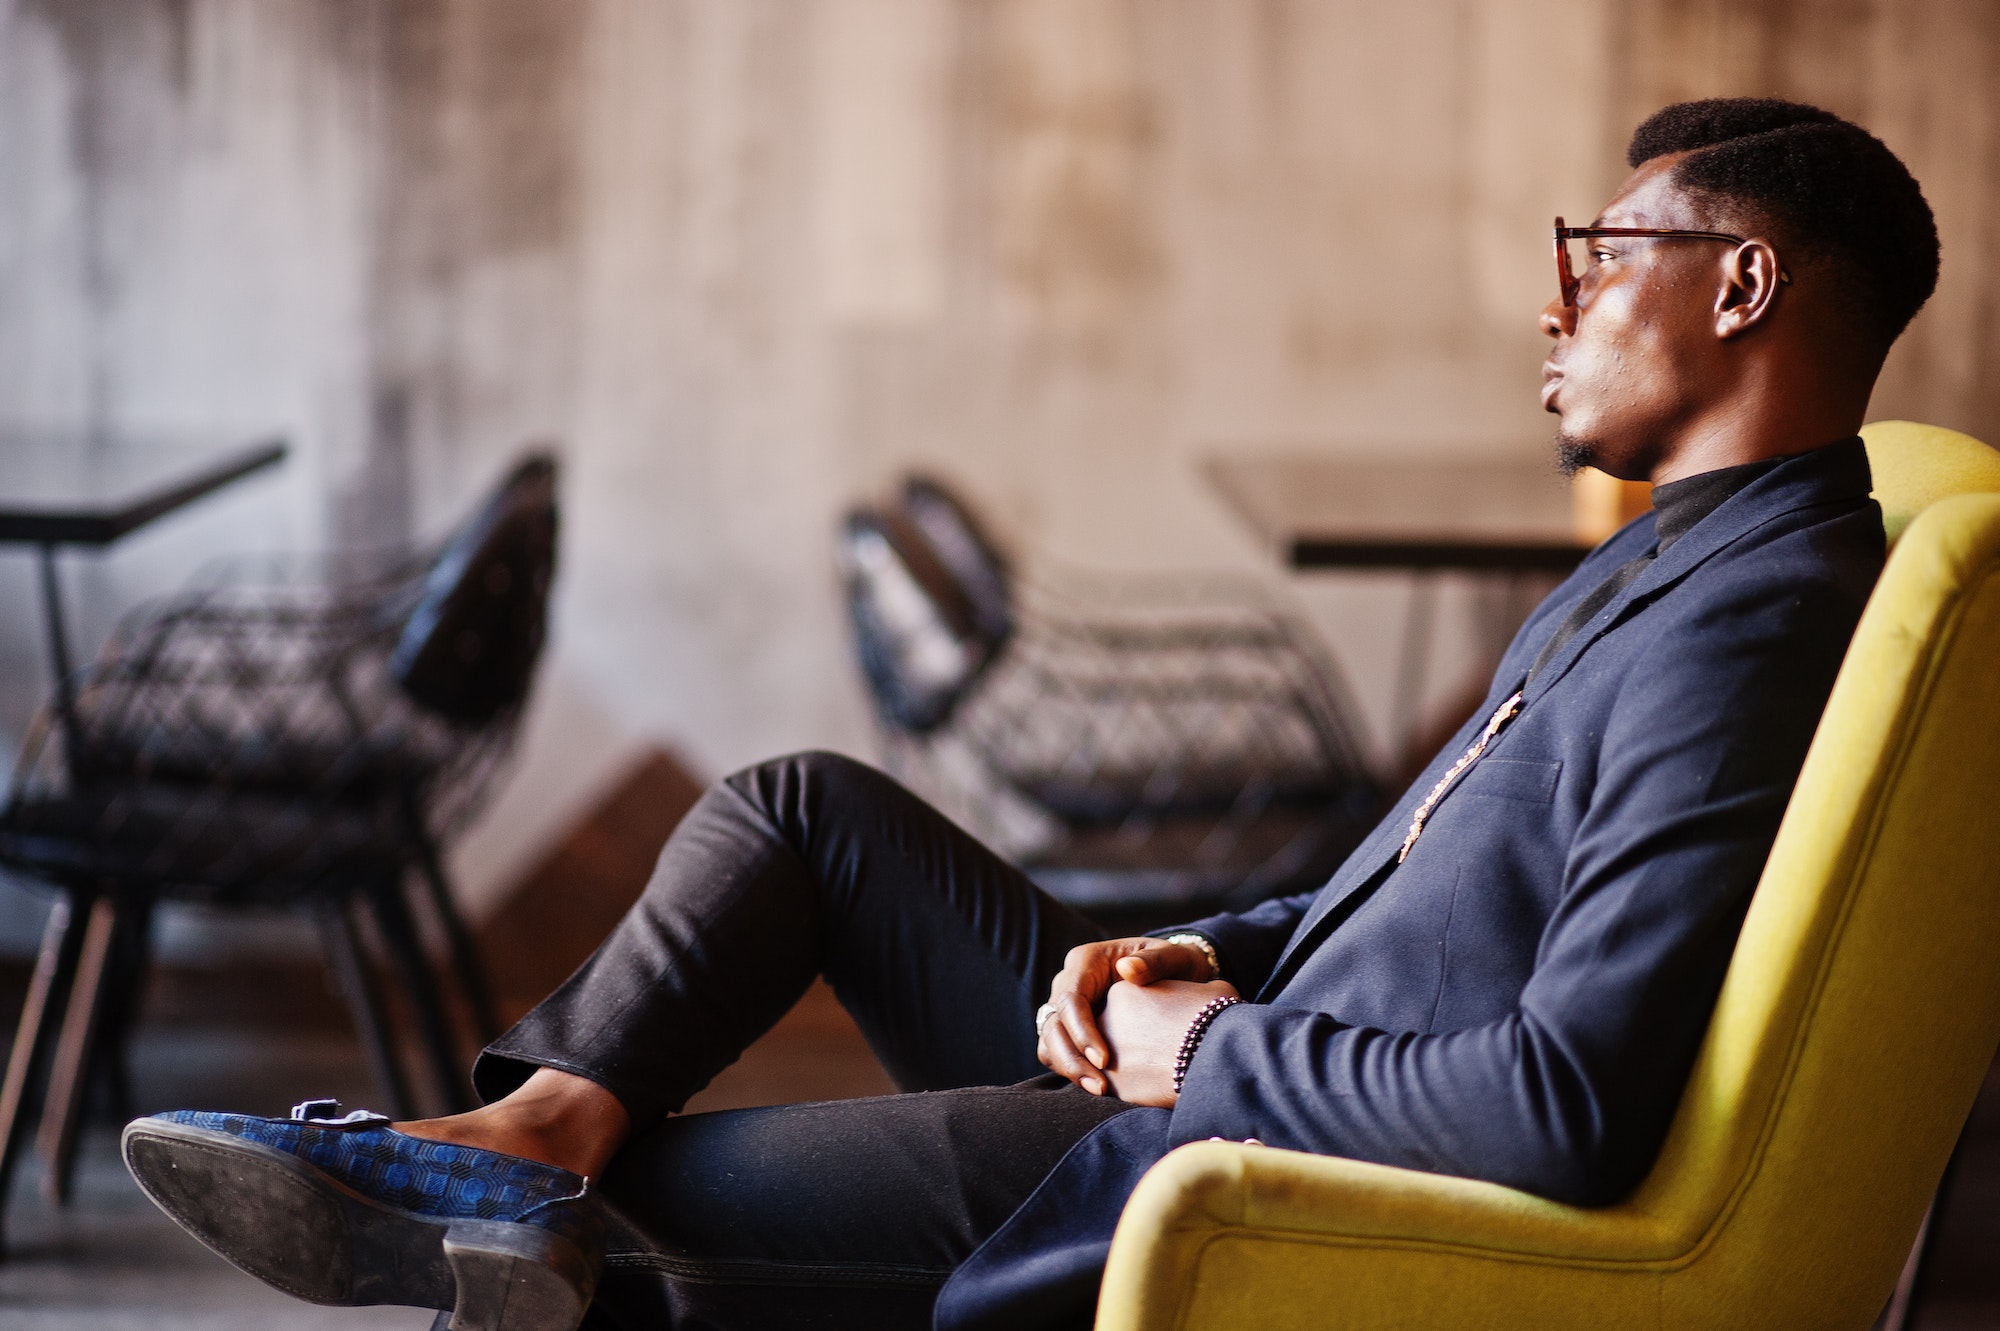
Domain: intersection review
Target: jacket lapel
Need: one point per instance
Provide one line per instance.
(1370, 861)
(1842, 474)
(1784, 490)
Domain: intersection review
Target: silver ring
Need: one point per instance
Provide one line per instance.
(1042, 1015)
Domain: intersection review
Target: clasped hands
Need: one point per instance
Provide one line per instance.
(1122, 1008)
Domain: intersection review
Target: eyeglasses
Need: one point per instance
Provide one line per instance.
(1566, 276)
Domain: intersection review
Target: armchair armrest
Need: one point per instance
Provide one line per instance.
(1223, 1235)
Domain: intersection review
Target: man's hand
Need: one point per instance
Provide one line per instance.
(1071, 1042)
(1145, 1026)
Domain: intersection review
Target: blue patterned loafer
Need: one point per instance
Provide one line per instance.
(349, 1211)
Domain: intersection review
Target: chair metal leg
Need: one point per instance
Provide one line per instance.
(1908, 1298)
(407, 959)
(54, 967)
(464, 954)
(1902, 1304)
(69, 1072)
(109, 1088)
(364, 1002)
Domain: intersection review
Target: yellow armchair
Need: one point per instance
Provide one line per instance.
(1856, 1023)
(1917, 465)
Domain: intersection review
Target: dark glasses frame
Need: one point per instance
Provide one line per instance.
(1569, 282)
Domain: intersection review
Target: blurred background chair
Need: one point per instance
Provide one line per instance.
(1141, 745)
(294, 733)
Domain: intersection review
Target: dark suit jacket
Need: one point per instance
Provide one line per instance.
(1521, 1000)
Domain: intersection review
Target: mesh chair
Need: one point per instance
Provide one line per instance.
(297, 736)
(1144, 743)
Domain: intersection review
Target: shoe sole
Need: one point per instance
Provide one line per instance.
(275, 1217)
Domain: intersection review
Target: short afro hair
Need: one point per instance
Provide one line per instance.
(1827, 187)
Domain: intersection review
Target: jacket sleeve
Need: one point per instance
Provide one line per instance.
(1249, 942)
(1570, 1095)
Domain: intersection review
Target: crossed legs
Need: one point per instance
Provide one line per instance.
(805, 866)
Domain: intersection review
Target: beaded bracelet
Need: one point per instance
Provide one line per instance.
(1196, 1029)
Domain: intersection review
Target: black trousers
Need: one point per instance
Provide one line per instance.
(846, 1214)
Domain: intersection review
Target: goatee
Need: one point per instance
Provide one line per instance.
(1573, 454)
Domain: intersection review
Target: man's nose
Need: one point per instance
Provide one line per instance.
(1558, 319)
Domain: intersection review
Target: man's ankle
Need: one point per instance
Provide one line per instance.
(553, 1119)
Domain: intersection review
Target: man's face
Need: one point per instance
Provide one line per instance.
(1632, 356)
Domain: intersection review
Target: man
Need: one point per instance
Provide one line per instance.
(1508, 980)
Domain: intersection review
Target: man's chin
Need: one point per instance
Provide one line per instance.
(1574, 454)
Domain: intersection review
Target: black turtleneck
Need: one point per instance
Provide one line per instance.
(1679, 505)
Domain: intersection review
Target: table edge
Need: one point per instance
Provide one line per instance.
(105, 525)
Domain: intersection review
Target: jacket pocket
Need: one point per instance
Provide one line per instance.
(1513, 779)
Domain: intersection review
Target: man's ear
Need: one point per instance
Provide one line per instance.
(1750, 281)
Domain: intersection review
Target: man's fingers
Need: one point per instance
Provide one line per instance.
(1072, 1041)
(1136, 969)
(1168, 961)
(1059, 1053)
(1079, 1022)
(1085, 971)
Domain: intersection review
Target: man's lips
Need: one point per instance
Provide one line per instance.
(1551, 380)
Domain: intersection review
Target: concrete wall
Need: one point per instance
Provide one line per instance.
(1921, 74)
(746, 260)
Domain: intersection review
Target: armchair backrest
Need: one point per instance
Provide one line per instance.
(468, 648)
(1916, 465)
(1862, 1006)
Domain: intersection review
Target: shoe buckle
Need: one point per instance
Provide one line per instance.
(326, 1114)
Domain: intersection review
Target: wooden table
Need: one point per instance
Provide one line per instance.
(1511, 519)
(61, 488)
(1478, 517)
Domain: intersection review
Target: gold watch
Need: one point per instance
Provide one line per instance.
(1207, 950)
